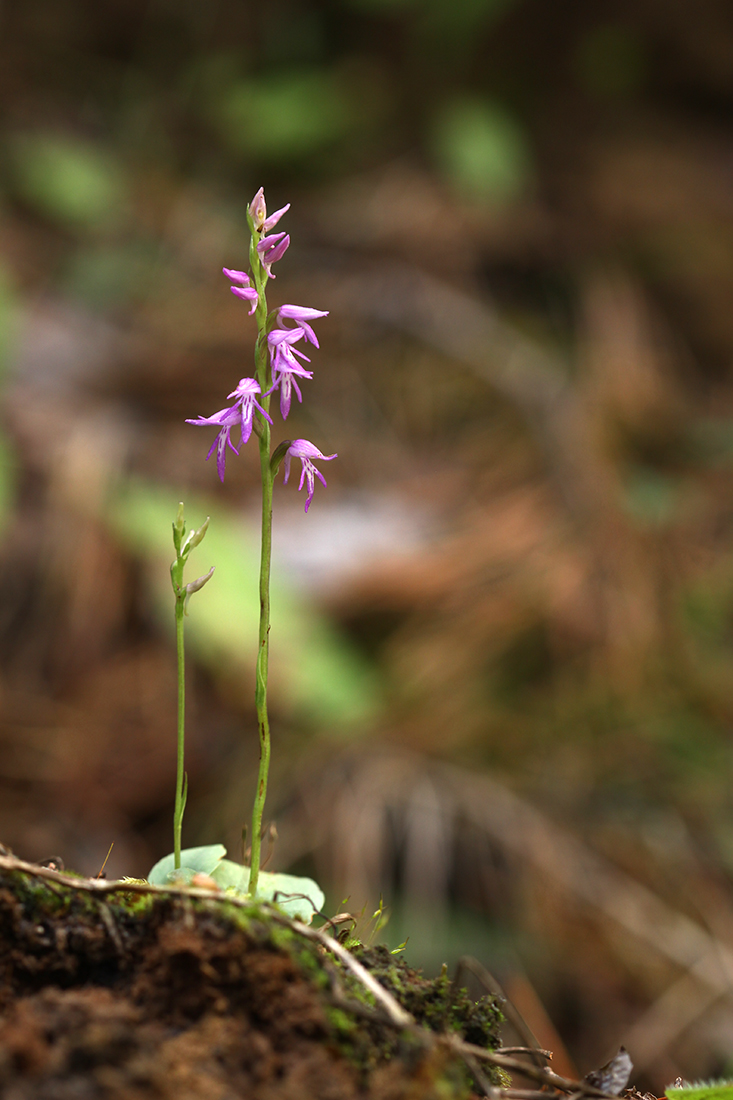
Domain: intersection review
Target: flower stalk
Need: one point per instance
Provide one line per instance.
(259, 276)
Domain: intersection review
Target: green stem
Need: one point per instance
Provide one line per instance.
(263, 649)
(180, 795)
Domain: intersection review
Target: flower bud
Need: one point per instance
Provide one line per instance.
(195, 537)
(258, 209)
(179, 528)
(196, 586)
(278, 455)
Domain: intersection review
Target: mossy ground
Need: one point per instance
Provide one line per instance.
(146, 996)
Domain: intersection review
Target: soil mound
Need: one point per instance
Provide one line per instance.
(144, 997)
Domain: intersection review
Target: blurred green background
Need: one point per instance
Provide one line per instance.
(520, 217)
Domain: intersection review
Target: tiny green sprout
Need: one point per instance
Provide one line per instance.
(183, 545)
(701, 1090)
(400, 949)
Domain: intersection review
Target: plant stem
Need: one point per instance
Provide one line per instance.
(263, 648)
(180, 794)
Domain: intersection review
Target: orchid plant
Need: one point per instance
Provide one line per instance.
(279, 366)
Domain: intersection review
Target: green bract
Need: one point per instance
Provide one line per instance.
(300, 898)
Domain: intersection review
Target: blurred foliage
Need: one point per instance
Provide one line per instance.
(315, 672)
(611, 60)
(481, 149)
(67, 179)
(287, 116)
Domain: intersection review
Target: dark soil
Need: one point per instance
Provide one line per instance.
(156, 997)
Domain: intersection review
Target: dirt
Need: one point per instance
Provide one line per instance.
(159, 997)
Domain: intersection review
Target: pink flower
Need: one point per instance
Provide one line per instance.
(244, 290)
(301, 315)
(272, 249)
(285, 366)
(241, 412)
(306, 452)
(258, 210)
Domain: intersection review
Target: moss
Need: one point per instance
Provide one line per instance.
(341, 1023)
(435, 1004)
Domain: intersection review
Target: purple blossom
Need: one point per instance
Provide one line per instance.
(306, 452)
(241, 412)
(285, 366)
(244, 290)
(272, 249)
(302, 315)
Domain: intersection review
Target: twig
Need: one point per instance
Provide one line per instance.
(340, 918)
(512, 1013)
(542, 1075)
(525, 1050)
(478, 1075)
(523, 1094)
(397, 1014)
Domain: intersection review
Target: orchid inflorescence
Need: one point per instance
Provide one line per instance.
(279, 365)
(281, 368)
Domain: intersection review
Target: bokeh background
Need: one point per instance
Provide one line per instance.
(502, 650)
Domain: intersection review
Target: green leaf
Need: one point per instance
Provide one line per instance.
(197, 860)
(299, 897)
(231, 876)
